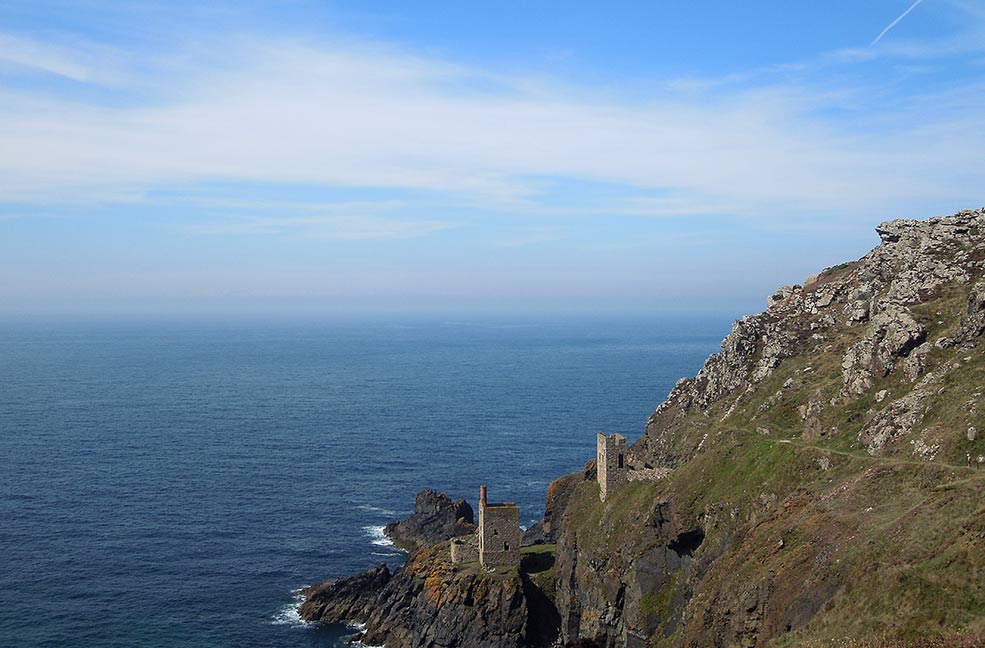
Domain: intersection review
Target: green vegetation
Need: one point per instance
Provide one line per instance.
(838, 269)
(896, 540)
(656, 605)
(537, 563)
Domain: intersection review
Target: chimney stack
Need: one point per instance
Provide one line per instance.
(482, 495)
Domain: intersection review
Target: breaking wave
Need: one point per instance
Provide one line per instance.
(290, 614)
(377, 537)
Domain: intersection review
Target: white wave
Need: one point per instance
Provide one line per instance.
(360, 627)
(377, 537)
(290, 614)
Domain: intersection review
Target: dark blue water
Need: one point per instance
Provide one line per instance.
(169, 483)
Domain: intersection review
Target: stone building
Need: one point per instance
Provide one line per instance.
(499, 533)
(612, 467)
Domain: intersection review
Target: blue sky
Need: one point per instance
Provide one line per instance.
(438, 154)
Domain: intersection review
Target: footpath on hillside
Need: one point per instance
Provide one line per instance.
(973, 470)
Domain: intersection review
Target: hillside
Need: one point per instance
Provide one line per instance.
(820, 482)
(820, 488)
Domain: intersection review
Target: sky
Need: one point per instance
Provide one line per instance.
(582, 155)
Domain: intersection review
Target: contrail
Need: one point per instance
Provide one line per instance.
(894, 23)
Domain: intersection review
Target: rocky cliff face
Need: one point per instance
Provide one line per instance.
(428, 602)
(436, 518)
(824, 485)
(881, 304)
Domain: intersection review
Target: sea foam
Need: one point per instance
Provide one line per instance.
(290, 614)
(377, 537)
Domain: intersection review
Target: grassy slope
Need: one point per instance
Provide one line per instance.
(898, 541)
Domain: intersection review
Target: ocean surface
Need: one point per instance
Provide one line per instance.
(171, 482)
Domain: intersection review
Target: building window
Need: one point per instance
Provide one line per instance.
(620, 460)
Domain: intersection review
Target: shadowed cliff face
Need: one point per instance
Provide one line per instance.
(820, 488)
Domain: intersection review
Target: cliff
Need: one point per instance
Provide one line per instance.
(819, 485)
(821, 491)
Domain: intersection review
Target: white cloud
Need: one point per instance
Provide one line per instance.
(283, 111)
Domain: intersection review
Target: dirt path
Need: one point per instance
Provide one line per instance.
(978, 473)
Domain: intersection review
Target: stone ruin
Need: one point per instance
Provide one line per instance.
(496, 543)
(465, 549)
(613, 468)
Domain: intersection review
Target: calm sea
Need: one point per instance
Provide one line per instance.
(170, 483)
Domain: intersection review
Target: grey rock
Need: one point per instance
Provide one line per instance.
(436, 518)
(973, 324)
(425, 604)
(893, 334)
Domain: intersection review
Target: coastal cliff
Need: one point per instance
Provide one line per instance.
(817, 483)
(824, 484)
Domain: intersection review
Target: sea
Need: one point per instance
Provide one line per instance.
(173, 481)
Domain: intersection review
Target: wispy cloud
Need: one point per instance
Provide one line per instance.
(43, 57)
(895, 22)
(285, 110)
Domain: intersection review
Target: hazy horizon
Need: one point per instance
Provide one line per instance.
(328, 309)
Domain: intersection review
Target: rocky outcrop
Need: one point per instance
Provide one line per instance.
(892, 336)
(916, 261)
(973, 324)
(428, 602)
(436, 518)
(432, 602)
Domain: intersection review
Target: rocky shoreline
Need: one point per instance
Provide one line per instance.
(812, 485)
(431, 601)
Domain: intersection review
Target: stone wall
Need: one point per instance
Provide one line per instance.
(612, 467)
(499, 535)
(465, 550)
